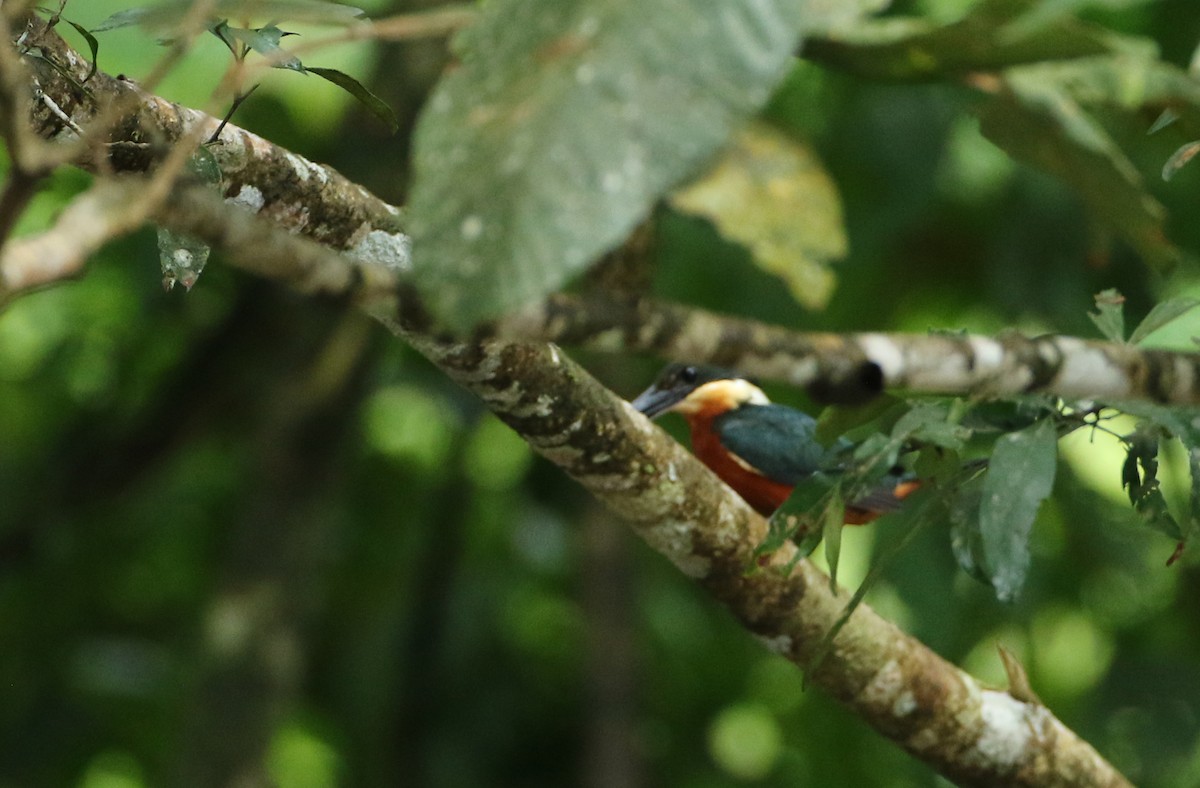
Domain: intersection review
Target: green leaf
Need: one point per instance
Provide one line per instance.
(983, 40)
(838, 420)
(966, 541)
(92, 43)
(1140, 476)
(125, 18)
(263, 40)
(204, 165)
(930, 423)
(1040, 120)
(935, 462)
(1020, 477)
(165, 16)
(1109, 316)
(1192, 527)
(561, 127)
(770, 193)
(1133, 80)
(802, 516)
(377, 106)
(831, 527)
(1183, 423)
(1162, 314)
(181, 257)
(1140, 472)
(1008, 415)
(872, 459)
(1043, 13)
(1165, 118)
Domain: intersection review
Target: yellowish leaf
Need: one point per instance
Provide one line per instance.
(770, 193)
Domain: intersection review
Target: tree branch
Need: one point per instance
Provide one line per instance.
(851, 368)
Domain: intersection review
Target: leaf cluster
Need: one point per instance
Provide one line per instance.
(987, 466)
(167, 18)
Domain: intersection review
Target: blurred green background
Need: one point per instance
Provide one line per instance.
(235, 521)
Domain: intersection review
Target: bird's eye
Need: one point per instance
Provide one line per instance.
(688, 374)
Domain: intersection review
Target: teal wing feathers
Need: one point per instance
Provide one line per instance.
(775, 440)
(781, 444)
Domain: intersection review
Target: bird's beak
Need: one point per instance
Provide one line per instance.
(655, 401)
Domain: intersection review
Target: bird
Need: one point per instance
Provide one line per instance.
(759, 448)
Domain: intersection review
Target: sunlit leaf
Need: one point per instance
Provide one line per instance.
(1161, 315)
(769, 192)
(561, 127)
(377, 106)
(1109, 316)
(1020, 477)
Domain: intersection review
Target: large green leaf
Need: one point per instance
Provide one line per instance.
(563, 124)
(769, 192)
(1020, 477)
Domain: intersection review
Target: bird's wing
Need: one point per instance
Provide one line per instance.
(774, 440)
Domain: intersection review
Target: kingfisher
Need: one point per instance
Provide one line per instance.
(759, 448)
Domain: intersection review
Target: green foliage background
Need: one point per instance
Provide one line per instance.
(236, 517)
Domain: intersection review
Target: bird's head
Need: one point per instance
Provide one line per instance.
(693, 389)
